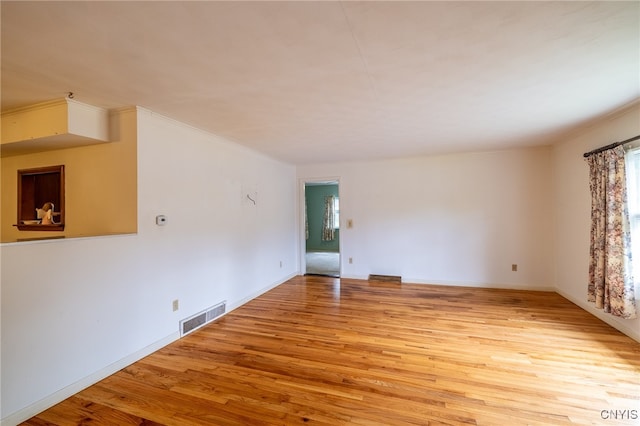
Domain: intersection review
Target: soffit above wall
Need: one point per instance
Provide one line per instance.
(57, 124)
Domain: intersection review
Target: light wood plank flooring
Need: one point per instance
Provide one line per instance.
(319, 350)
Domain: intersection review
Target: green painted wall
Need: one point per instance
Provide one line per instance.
(315, 195)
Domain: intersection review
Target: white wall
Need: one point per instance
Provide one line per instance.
(572, 203)
(460, 219)
(76, 310)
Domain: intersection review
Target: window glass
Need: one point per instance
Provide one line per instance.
(633, 200)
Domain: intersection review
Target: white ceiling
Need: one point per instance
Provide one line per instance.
(334, 81)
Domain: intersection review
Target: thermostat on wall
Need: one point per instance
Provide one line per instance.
(161, 220)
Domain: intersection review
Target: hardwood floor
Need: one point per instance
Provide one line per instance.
(320, 350)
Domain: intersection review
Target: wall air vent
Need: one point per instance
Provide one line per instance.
(385, 278)
(196, 321)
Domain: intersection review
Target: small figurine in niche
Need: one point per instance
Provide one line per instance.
(45, 214)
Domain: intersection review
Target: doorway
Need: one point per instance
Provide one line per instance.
(322, 228)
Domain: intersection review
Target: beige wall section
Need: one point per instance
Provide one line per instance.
(572, 205)
(100, 187)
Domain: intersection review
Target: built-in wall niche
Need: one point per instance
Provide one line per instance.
(41, 199)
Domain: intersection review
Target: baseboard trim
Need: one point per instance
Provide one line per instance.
(503, 286)
(260, 292)
(601, 315)
(64, 393)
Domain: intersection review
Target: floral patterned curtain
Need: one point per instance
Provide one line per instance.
(610, 278)
(328, 223)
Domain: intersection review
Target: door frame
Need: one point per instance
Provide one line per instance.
(301, 206)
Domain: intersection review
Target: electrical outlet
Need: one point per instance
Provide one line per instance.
(351, 260)
(514, 267)
(176, 305)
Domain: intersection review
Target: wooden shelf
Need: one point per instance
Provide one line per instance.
(54, 227)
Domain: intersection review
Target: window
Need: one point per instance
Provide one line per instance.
(633, 200)
(336, 213)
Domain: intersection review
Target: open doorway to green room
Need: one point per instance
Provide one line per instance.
(321, 228)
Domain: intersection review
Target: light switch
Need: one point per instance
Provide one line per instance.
(161, 220)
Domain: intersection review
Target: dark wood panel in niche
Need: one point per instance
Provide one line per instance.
(41, 188)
